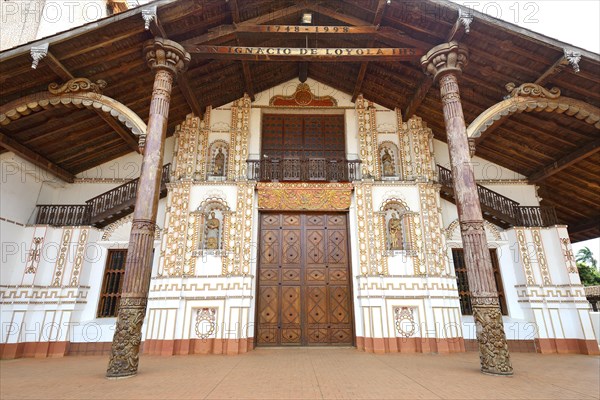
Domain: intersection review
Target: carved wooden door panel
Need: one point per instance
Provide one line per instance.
(303, 291)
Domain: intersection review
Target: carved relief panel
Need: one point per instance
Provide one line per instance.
(416, 149)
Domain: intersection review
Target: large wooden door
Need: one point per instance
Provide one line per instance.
(304, 295)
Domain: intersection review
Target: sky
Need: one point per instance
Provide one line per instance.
(575, 22)
(572, 22)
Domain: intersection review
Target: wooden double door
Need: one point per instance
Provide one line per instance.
(304, 294)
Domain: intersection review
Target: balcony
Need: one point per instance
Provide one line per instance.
(304, 170)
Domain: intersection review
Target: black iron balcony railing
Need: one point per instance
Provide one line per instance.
(501, 208)
(304, 170)
(99, 211)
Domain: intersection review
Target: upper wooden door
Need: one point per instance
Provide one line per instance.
(304, 293)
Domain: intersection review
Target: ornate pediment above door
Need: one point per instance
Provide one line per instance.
(303, 97)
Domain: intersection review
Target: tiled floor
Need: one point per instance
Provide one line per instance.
(305, 373)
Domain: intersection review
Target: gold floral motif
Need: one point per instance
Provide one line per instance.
(524, 252)
(79, 255)
(367, 136)
(304, 196)
(188, 136)
(568, 254)
(238, 143)
(541, 256)
(62, 257)
(404, 321)
(433, 231)
(206, 322)
(33, 258)
(416, 147)
(238, 245)
(174, 246)
(371, 232)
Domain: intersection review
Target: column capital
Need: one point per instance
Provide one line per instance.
(444, 58)
(167, 55)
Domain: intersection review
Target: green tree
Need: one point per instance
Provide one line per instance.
(585, 256)
(588, 275)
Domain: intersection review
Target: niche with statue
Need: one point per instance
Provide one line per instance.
(388, 155)
(218, 153)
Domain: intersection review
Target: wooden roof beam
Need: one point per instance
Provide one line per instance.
(225, 33)
(586, 225)
(59, 69)
(363, 66)
(554, 70)
(247, 74)
(35, 158)
(566, 161)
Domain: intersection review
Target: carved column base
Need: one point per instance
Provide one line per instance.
(493, 348)
(124, 358)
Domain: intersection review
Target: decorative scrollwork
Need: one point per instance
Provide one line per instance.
(531, 90)
(77, 85)
(303, 97)
(405, 321)
(206, 322)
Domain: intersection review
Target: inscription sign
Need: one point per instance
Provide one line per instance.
(307, 29)
(307, 54)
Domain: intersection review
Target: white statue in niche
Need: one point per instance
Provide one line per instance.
(219, 169)
(388, 163)
(213, 228)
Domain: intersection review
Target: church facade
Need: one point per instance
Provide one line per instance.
(390, 176)
(297, 219)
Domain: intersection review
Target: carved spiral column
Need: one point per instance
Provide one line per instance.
(445, 63)
(167, 59)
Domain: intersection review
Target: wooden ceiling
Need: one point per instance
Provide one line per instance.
(111, 50)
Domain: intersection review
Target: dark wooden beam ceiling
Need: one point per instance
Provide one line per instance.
(363, 66)
(59, 69)
(579, 154)
(35, 158)
(247, 74)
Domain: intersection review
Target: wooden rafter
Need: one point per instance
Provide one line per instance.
(35, 158)
(566, 161)
(247, 74)
(363, 66)
(586, 225)
(554, 70)
(59, 69)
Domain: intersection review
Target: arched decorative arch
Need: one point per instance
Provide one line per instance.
(491, 230)
(41, 101)
(518, 104)
(213, 205)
